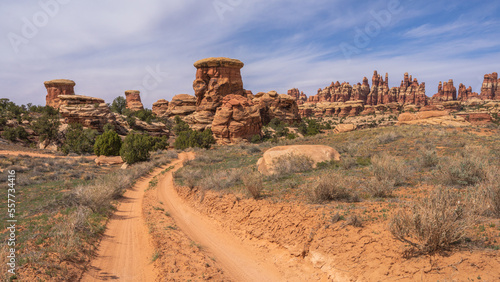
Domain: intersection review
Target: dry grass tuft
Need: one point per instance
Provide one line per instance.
(253, 183)
(379, 188)
(288, 164)
(432, 224)
(334, 187)
(387, 168)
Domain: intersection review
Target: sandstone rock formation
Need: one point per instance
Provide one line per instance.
(361, 99)
(274, 105)
(465, 94)
(446, 92)
(160, 107)
(317, 153)
(58, 87)
(134, 100)
(111, 160)
(181, 105)
(432, 118)
(476, 118)
(238, 119)
(341, 128)
(89, 111)
(491, 87)
(299, 96)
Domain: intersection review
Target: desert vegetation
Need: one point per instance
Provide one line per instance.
(70, 201)
(436, 185)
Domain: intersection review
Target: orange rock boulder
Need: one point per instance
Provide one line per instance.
(316, 153)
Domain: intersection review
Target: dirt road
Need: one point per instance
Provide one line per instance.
(237, 260)
(125, 253)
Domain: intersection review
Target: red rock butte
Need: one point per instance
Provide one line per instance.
(58, 87)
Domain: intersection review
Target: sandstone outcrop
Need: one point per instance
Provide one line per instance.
(466, 94)
(341, 128)
(273, 105)
(111, 160)
(446, 92)
(317, 153)
(238, 119)
(58, 87)
(378, 98)
(89, 111)
(133, 98)
(432, 118)
(299, 96)
(476, 118)
(160, 107)
(181, 105)
(491, 87)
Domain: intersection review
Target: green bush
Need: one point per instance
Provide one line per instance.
(309, 127)
(192, 138)
(15, 133)
(47, 126)
(79, 140)
(159, 143)
(180, 126)
(145, 115)
(136, 148)
(108, 144)
(119, 104)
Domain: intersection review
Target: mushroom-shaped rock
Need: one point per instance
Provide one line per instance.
(58, 87)
(317, 153)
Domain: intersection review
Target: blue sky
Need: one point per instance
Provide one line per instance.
(111, 46)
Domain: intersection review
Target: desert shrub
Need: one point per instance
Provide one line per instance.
(220, 180)
(333, 187)
(466, 168)
(253, 150)
(189, 176)
(180, 125)
(15, 133)
(428, 158)
(159, 143)
(388, 137)
(253, 183)
(47, 125)
(433, 223)
(354, 220)
(119, 104)
(280, 128)
(291, 163)
(389, 168)
(79, 140)
(191, 138)
(379, 188)
(108, 144)
(484, 198)
(255, 138)
(309, 127)
(136, 148)
(145, 115)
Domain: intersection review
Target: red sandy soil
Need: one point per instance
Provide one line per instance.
(125, 251)
(170, 233)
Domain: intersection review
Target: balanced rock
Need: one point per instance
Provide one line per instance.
(317, 153)
(58, 87)
(238, 119)
(134, 100)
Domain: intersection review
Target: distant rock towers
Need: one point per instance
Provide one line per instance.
(134, 100)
